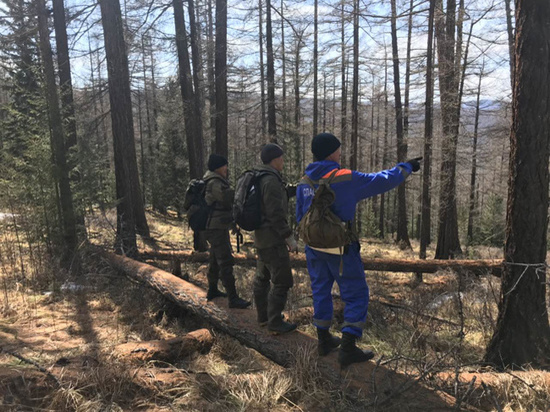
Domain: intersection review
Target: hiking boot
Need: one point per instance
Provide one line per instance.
(326, 342)
(215, 293)
(263, 322)
(238, 303)
(349, 353)
(283, 327)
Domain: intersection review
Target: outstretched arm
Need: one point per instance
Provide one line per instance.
(372, 184)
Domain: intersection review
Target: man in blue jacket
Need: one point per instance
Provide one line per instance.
(342, 265)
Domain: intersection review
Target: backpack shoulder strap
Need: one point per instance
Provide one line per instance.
(262, 173)
(208, 179)
(330, 177)
(306, 180)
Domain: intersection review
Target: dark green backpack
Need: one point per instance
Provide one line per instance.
(320, 227)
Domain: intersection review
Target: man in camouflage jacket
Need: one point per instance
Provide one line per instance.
(273, 240)
(219, 196)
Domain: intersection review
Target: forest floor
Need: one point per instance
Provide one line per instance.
(58, 336)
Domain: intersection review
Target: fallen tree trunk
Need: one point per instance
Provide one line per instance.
(477, 267)
(369, 379)
(167, 350)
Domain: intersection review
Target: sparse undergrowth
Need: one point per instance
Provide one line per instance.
(70, 326)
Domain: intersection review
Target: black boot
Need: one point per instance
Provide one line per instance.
(349, 353)
(276, 304)
(261, 293)
(238, 303)
(235, 301)
(283, 327)
(327, 343)
(214, 292)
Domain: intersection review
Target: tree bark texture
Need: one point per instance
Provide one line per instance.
(522, 335)
(271, 115)
(344, 91)
(191, 114)
(220, 75)
(354, 147)
(473, 175)
(57, 140)
(64, 71)
(315, 67)
(510, 31)
(262, 68)
(130, 209)
(448, 243)
(425, 224)
(402, 232)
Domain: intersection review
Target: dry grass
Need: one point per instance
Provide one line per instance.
(230, 377)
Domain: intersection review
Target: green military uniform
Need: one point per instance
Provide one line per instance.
(219, 196)
(273, 265)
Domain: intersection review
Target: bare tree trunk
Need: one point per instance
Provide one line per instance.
(66, 91)
(57, 140)
(271, 116)
(262, 68)
(510, 30)
(448, 243)
(382, 216)
(355, 90)
(344, 102)
(522, 335)
(402, 230)
(283, 68)
(142, 149)
(158, 204)
(375, 199)
(472, 210)
(193, 129)
(64, 70)
(425, 225)
(196, 58)
(324, 101)
(110, 161)
(408, 74)
(128, 188)
(315, 66)
(150, 159)
(222, 147)
(299, 143)
(211, 78)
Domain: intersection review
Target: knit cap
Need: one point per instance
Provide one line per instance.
(270, 151)
(216, 161)
(323, 145)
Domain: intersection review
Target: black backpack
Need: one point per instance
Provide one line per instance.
(247, 206)
(195, 206)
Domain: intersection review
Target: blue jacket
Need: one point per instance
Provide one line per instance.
(349, 186)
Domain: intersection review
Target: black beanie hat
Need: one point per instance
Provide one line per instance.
(270, 151)
(216, 161)
(323, 145)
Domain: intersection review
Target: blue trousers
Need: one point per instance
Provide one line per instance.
(324, 270)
